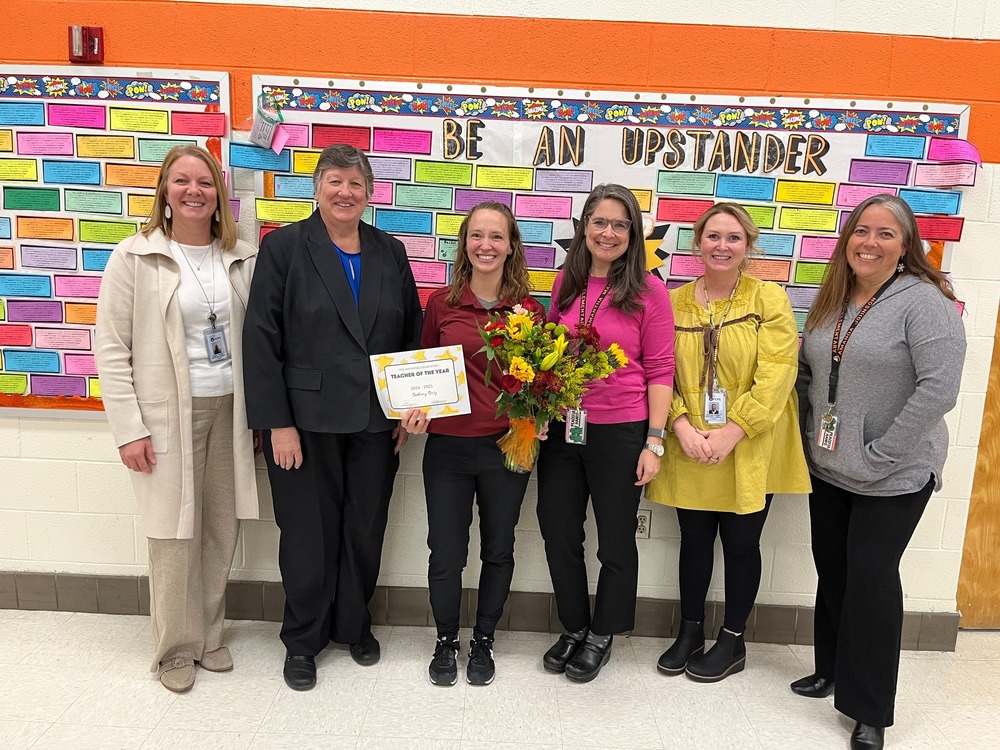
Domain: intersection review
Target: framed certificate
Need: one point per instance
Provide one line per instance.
(428, 379)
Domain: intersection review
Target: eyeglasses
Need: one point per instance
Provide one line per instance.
(618, 226)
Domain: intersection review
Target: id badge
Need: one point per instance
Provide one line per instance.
(215, 345)
(715, 406)
(576, 427)
(827, 438)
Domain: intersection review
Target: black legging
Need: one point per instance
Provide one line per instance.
(741, 552)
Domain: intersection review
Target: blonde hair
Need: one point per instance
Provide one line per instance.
(223, 228)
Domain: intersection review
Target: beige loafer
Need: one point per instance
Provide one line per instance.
(219, 660)
(177, 675)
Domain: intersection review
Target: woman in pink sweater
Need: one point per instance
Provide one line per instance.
(605, 292)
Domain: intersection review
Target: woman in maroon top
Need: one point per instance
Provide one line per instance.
(461, 457)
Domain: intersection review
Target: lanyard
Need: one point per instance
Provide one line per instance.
(838, 350)
(712, 336)
(583, 304)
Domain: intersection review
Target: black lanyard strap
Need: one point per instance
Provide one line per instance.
(837, 350)
(583, 304)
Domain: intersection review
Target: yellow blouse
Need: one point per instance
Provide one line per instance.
(757, 364)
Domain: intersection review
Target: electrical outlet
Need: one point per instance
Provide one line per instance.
(643, 517)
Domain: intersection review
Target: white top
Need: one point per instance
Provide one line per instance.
(204, 289)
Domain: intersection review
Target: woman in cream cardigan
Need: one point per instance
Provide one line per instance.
(169, 322)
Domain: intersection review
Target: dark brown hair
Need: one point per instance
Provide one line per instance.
(628, 275)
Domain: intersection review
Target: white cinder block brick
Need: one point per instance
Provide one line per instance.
(38, 485)
(916, 17)
(973, 257)
(79, 441)
(976, 371)
(959, 472)
(658, 562)
(976, 199)
(105, 488)
(970, 419)
(398, 502)
(141, 545)
(969, 20)
(987, 304)
(928, 532)
(528, 520)
(787, 521)
(260, 546)
(412, 457)
(793, 571)
(10, 437)
(404, 553)
(930, 574)
(81, 537)
(956, 516)
(13, 535)
(413, 502)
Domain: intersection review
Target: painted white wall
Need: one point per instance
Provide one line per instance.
(66, 502)
(969, 19)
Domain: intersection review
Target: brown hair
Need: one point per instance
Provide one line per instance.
(628, 275)
(514, 284)
(839, 281)
(223, 229)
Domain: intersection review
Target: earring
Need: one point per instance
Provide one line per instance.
(900, 267)
(217, 217)
(166, 211)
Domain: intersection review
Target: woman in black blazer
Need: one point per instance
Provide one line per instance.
(328, 292)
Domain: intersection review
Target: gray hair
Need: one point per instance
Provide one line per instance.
(342, 156)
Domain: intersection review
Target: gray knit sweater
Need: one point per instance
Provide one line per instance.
(899, 376)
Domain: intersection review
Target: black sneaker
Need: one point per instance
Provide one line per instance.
(443, 670)
(481, 666)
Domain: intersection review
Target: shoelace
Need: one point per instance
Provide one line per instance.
(482, 649)
(443, 646)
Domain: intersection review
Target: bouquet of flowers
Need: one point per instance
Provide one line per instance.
(546, 370)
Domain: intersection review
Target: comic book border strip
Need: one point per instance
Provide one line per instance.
(610, 112)
(108, 88)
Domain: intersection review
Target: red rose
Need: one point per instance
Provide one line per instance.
(496, 342)
(510, 384)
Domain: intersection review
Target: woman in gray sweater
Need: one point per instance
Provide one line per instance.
(880, 366)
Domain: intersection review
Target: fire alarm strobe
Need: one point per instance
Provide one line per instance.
(86, 44)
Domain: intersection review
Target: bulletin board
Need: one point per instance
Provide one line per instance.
(436, 150)
(80, 150)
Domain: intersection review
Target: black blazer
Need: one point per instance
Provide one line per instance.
(306, 343)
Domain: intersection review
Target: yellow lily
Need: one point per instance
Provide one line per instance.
(550, 359)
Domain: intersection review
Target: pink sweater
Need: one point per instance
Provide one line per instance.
(647, 338)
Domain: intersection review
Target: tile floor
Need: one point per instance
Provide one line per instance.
(80, 682)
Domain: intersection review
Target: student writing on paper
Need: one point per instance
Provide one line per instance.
(462, 462)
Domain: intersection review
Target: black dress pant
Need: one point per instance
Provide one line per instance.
(456, 470)
(740, 536)
(603, 470)
(332, 514)
(857, 543)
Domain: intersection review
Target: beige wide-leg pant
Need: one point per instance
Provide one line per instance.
(187, 577)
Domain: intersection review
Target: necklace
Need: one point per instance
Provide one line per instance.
(212, 317)
(712, 335)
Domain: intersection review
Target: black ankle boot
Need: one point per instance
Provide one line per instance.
(690, 641)
(562, 651)
(865, 737)
(726, 657)
(588, 660)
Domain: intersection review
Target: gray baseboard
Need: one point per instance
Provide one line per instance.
(397, 605)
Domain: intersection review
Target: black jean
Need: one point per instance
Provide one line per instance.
(456, 470)
(740, 536)
(603, 470)
(857, 543)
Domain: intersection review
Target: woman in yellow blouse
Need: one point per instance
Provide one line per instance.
(734, 435)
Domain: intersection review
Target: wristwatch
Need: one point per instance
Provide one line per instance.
(653, 432)
(656, 450)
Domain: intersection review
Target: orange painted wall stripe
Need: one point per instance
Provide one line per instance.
(355, 45)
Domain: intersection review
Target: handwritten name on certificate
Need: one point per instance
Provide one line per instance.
(428, 379)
